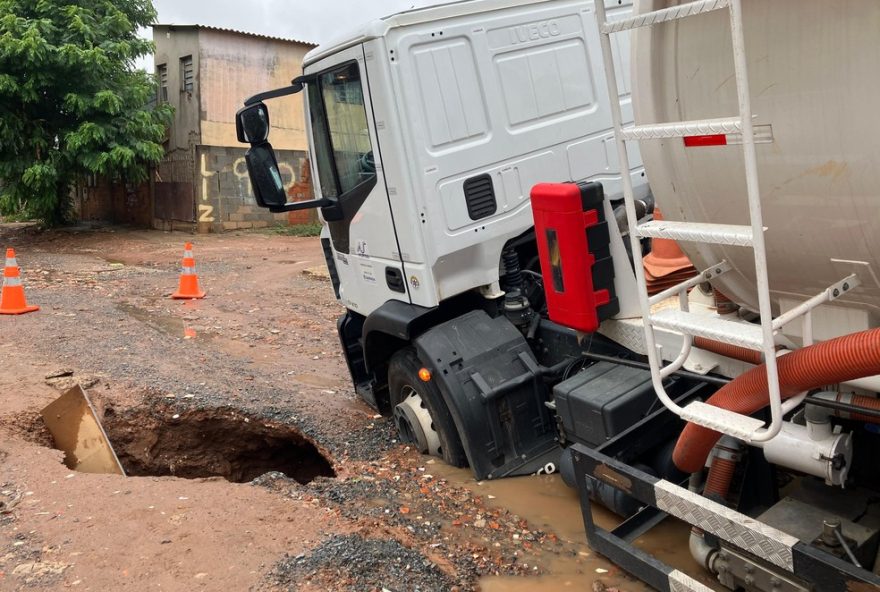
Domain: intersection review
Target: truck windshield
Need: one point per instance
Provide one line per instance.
(343, 151)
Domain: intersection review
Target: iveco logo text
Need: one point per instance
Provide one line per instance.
(535, 31)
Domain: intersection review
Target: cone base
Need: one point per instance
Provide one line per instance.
(19, 311)
(662, 267)
(196, 296)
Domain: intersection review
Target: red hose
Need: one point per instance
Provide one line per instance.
(719, 479)
(830, 362)
(736, 352)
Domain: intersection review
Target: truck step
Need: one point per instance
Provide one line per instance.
(680, 129)
(711, 327)
(698, 232)
(721, 420)
(664, 15)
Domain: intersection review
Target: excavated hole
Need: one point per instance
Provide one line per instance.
(211, 443)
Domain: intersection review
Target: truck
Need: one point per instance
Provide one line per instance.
(486, 173)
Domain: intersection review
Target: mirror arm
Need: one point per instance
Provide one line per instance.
(272, 94)
(303, 205)
(297, 84)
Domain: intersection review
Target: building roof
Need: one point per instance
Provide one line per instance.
(236, 31)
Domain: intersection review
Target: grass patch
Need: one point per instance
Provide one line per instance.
(311, 229)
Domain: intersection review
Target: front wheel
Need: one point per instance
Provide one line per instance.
(420, 413)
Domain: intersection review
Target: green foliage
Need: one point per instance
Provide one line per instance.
(72, 102)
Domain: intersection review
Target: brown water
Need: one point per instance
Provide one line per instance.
(548, 504)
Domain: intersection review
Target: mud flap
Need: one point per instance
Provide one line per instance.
(495, 391)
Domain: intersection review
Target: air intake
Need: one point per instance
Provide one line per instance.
(479, 194)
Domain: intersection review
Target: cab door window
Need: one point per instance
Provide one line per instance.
(344, 151)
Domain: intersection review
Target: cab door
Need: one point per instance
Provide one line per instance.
(348, 167)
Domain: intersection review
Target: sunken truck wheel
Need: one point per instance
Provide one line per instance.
(422, 417)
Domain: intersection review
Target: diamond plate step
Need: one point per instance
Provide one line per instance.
(667, 14)
(700, 325)
(721, 420)
(698, 232)
(679, 129)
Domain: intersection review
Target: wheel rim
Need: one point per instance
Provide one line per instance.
(414, 423)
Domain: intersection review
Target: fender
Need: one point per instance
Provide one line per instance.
(495, 391)
(392, 326)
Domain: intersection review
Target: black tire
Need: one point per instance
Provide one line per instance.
(403, 372)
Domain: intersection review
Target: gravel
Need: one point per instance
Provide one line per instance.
(361, 564)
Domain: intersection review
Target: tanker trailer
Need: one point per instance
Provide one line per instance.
(757, 125)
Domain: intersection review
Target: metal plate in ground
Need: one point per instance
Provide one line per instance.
(75, 427)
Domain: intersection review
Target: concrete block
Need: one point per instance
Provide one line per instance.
(260, 224)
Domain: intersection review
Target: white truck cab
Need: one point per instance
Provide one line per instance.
(430, 127)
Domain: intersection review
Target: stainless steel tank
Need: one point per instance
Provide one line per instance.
(814, 71)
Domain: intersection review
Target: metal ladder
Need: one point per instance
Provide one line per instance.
(690, 325)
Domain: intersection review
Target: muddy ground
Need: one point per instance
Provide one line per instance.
(252, 464)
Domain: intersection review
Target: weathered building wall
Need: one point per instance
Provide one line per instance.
(203, 180)
(172, 45)
(226, 199)
(234, 67)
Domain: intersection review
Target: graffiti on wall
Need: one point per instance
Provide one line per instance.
(226, 195)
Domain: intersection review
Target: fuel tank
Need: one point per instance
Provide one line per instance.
(815, 92)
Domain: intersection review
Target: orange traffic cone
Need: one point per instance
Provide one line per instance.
(12, 300)
(666, 265)
(189, 281)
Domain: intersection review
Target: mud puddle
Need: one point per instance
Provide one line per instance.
(154, 320)
(169, 325)
(546, 502)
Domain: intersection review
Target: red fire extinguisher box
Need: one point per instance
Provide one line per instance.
(574, 249)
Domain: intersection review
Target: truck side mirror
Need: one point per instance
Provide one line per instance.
(252, 127)
(252, 124)
(265, 176)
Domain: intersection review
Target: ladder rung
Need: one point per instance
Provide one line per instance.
(721, 420)
(697, 232)
(745, 335)
(666, 14)
(680, 129)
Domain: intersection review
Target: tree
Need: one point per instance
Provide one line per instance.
(72, 102)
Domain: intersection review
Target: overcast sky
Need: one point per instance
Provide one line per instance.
(307, 20)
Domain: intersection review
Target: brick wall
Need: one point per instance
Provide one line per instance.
(225, 200)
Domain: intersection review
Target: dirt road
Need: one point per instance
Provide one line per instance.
(252, 464)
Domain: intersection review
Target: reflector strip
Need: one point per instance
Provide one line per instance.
(714, 140)
(763, 135)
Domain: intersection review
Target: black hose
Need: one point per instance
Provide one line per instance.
(513, 279)
(838, 406)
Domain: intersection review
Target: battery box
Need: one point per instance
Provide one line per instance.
(603, 400)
